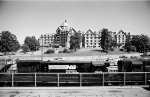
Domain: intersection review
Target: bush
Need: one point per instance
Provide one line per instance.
(122, 49)
(66, 50)
(60, 52)
(50, 51)
(131, 48)
(112, 49)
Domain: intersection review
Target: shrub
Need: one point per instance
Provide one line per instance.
(50, 51)
(66, 50)
(133, 48)
(122, 49)
(60, 52)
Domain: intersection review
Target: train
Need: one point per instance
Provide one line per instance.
(29, 66)
(48, 72)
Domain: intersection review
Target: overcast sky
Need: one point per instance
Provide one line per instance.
(33, 18)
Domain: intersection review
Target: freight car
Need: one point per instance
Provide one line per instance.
(134, 65)
(139, 67)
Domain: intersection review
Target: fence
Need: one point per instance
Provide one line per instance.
(79, 79)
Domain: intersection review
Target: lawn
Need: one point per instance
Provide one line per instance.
(81, 53)
(88, 52)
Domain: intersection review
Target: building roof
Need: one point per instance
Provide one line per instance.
(121, 32)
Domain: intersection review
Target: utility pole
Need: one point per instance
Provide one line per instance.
(42, 51)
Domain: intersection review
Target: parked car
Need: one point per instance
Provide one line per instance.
(1, 54)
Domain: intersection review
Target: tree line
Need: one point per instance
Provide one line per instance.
(139, 43)
(9, 43)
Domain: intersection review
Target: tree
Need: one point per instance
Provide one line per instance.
(25, 48)
(113, 44)
(32, 43)
(128, 46)
(8, 42)
(75, 41)
(141, 42)
(105, 39)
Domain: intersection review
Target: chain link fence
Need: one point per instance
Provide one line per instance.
(78, 79)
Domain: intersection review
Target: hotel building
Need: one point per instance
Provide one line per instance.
(46, 40)
(63, 34)
(91, 39)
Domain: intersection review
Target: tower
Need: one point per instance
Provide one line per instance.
(63, 34)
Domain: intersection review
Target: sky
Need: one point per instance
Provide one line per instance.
(36, 17)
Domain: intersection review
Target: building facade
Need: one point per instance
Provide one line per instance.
(46, 40)
(91, 39)
(121, 37)
(63, 34)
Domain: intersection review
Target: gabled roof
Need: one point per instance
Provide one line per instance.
(121, 32)
(91, 32)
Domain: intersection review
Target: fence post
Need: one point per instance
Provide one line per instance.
(12, 81)
(58, 80)
(80, 79)
(103, 79)
(124, 79)
(35, 80)
(145, 78)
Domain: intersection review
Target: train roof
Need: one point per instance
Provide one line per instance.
(136, 62)
(60, 61)
(98, 63)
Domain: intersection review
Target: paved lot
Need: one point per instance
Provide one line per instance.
(74, 92)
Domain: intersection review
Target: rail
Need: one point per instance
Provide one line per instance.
(77, 79)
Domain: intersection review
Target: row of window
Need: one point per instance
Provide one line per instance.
(93, 46)
(47, 42)
(92, 40)
(47, 37)
(92, 43)
(92, 37)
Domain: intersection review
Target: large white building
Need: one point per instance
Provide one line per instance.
(121, 37)
(91, 39)
(46, 39)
